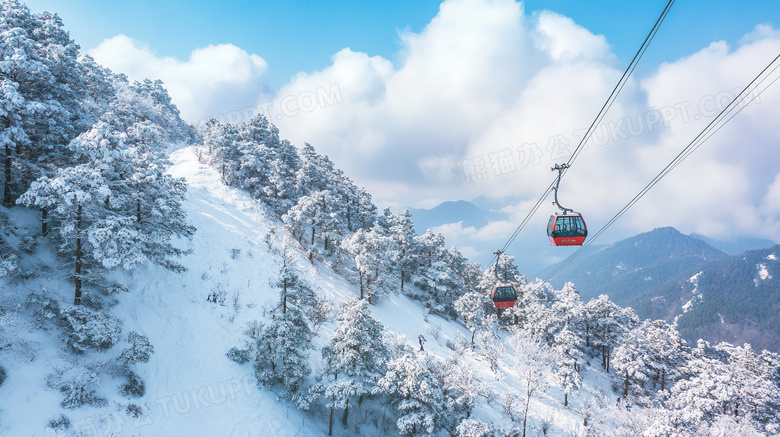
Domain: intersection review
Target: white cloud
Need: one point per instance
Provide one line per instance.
(564, 40)
(214, 80)
(482, 78)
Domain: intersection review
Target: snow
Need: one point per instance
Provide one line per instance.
(191, 387)
(189, 381)
(771, 257)
(763, 274)
(696, 296)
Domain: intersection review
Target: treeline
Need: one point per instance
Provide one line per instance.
(334, 220)
(86, 147)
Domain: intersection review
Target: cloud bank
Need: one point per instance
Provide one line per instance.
(486, 98)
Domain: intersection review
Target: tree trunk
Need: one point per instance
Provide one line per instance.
(565, 399)
(345, 416)
(7, 184)
(44, 221)
(402, 280)
(663, 378)
(330, 422)
(360, 275)
(625, 386)
(368, 287)
(77, 299)
(284, 294)
(525, 415)
(312, 236)
(603, 357)
(138, 211)
(587, 335)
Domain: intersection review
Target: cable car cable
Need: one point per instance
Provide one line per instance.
(713, 127)
(601, 114)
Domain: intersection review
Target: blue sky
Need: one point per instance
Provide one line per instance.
(297, 35)
(417, 91)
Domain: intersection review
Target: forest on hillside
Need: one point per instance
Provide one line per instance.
(86, 152)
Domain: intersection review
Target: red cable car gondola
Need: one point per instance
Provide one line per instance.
(567, 228)
(504, 296)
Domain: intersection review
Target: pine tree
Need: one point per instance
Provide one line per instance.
(77, 197)
(471, 306)
(415, 393)
(606, 322)
(461, 387)
(565, 368)
(283, 358)
(722, 383)
(401, 229)
(651, 352)
(355, 358)
(40, 88)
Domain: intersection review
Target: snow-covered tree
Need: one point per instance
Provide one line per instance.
(88, 329)
(651, 352)
(471, 306)
(314, 212)
(282, 358)
(373, 255)
(415, 393)
(40, 89)
(140, 350)
(605, 324)
(354, 358)
(436, 272)
(220, 141)
(565, 368)
(533, 359)
(724, 381)
(116, 207)
(400, 228)
(474, 428)
(294, 290)
(461, 386)
(490, 350)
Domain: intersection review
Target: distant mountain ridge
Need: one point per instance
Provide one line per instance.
(628, 268)
(736, 246)
(737, 300)
(664, 274)
(451, 212)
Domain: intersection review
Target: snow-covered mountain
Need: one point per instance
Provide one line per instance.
(738, 300)
(629, 269)
(664, 274)
(191, 387)
(158, 279)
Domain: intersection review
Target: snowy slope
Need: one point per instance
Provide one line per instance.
(191, 387)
